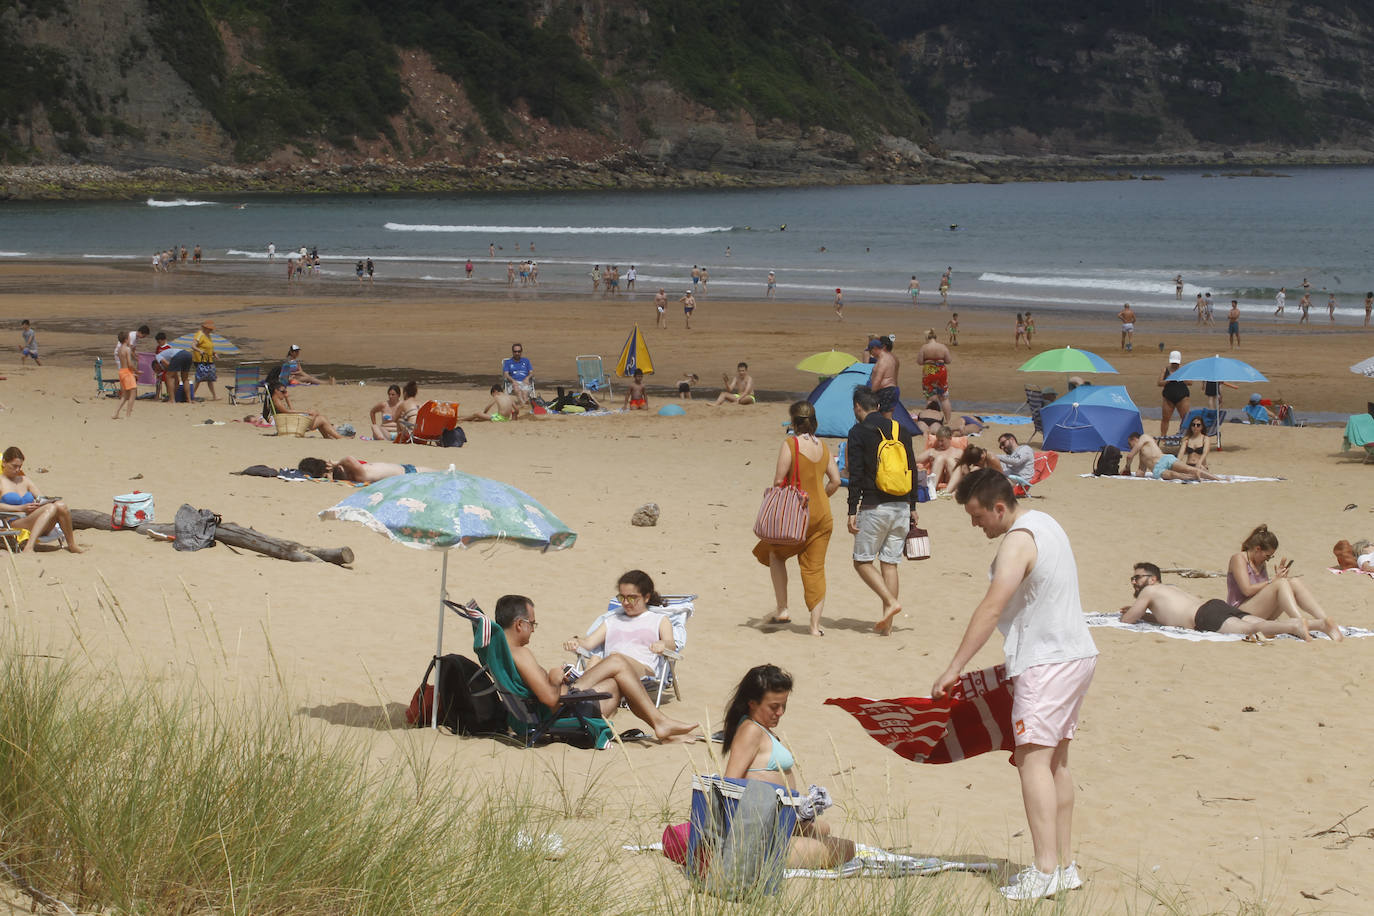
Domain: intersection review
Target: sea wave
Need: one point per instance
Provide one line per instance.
(114, 257)
(560, 230)
(14, 254)
(180, 202)
(1120, 284)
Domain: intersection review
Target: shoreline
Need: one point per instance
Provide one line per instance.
(627, 170)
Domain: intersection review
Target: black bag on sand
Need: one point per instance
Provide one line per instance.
(468, 702)
(1108, 462)
(453, 438)
(195, 528)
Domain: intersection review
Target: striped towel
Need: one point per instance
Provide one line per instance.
(974, 720)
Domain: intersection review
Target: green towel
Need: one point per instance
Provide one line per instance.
(1359, 431)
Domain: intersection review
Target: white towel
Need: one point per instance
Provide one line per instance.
(1113, 621)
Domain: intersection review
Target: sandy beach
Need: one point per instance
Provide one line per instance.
(1205, 771)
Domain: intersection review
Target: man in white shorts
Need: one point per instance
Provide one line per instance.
(1033, 599)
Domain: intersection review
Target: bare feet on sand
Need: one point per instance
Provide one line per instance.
(884, 626)
(779, 616)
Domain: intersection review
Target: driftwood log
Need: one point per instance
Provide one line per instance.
(231, 535)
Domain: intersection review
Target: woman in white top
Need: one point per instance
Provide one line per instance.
(636, 632)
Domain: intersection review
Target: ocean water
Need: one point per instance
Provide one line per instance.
(1087, 245)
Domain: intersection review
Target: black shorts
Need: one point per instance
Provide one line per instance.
(181, 362)
(1213, 614)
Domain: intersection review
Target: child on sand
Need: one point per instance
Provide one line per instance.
(29, 350)
(952, 329)
(684, 385)
(635, 398)
(1020, 332)
(500, 408)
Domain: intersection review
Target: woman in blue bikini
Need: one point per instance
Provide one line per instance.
(41, 515)
(754, 752)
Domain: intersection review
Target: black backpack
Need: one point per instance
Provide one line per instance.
(468, 701)
(1108, 462)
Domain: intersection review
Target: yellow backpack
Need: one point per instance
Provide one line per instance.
(894, 474)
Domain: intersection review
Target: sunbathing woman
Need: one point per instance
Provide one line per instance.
(972, 459)
(1250, 589)
(406, 412)
(281, 403)
(637, 633)
(383, 415)
(1196, 445)
(754, 752)
(40, 515)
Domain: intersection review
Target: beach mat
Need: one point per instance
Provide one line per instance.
(1359, 572)
(1113, 622)
(1004, 419)
(1225, 478)
(870, 862)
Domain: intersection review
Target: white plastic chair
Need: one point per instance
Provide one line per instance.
(679, 610)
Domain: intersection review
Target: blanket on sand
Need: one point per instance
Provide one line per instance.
(1113, 621)
(1359, 572)
(872, 862)
(1225, 478)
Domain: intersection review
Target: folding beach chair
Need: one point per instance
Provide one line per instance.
(592, 376)
(1045, 463)
(1211, 421)
(104, 386)
(738, 836)
(1035, 399)
(571, 720)
(431, 421)
(13, 537)
(248, 385)
(679, 611)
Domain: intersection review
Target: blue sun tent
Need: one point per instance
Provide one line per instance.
(834, 400)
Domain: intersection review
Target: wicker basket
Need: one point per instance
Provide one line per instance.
(292, 424)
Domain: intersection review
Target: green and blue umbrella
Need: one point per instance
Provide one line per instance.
(440, 510)
(1066, 360)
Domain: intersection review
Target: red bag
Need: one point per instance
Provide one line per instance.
(420, 712)
(786, 511)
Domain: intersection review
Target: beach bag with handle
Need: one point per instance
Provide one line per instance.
(917, 546)
(131, 510)
(786, 510)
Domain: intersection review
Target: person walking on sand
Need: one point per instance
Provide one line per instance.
(820, 478)
(839, 304)
(1304, 304)
(1030, 329)
(1020, 333)
(952, 329)
(1175, 393)
(1233, 326)
(1198, 307)
(1207, 309)
(913, 289)
(878, 519)
(1331, 307)
(944, 287)
(1127, 317)
(1178, 287)
(128, 379)
(1033, 599)
(203, 358)
(689, 305)
(28, 350)
(772, 285)
(1280, 300)
(661, 309)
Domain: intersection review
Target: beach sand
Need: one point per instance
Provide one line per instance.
(1204, 771)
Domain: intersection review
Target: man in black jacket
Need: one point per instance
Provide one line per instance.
(878, 520)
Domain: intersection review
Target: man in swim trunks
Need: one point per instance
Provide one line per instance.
(1171, 606)
(500, 408)
(884, 378)
(1233, 326)
(772, 285)
(356, 470)
(128, 380)
(935, 359)
(1127, 316)
(739, 389)
(1154, 463)
(689, 305)
(913, 289)
(661, 309)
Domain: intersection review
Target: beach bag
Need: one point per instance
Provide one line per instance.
(468, 701)
(453, 438)
(917, 545)
(738, 835)
(131, 510)
(922, 486)
(894, 473)
(786, 510)
(195, 528)
(1108, 462)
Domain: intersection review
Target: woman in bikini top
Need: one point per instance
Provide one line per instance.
(1196, 445)
(754, 752)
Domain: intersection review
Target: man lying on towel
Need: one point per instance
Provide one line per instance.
(1171, 606)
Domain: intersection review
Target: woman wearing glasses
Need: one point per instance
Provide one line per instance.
(637, 632)
(1250, 587)
(1196, 444)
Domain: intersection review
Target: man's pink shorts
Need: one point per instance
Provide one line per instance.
(1046, 700)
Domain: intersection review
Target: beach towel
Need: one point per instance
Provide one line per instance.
(1225, 478)
(1003, 419)
(1337, 570)
(973, 720)
(869, 862)
(1113, 622)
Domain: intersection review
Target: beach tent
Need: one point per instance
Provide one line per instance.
(1090, 417)
(834, 400)
(634, 355)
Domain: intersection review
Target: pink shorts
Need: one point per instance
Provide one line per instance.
(1046, 700)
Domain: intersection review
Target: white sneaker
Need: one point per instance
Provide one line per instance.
(1069, 879)
(1032, 884)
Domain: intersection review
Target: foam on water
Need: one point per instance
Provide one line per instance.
(1121, 284)
(14, 254)
(181, 202)
(561, 230)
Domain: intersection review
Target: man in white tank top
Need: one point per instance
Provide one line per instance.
(1033, 600)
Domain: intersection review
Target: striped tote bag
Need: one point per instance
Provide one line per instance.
(786, 510)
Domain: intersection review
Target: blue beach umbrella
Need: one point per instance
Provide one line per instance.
(1217, 369)
(445, 509)
(223, 345)
(1089, 418)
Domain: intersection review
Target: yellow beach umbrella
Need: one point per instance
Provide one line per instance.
(831, 362)
(634, 355)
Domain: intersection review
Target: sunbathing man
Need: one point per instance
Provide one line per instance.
(515, 615)
(356, 470)
(739, 389)
(1152, 462)
(1171, 606)
(500, 408)
(39, 514)
(942, 458)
